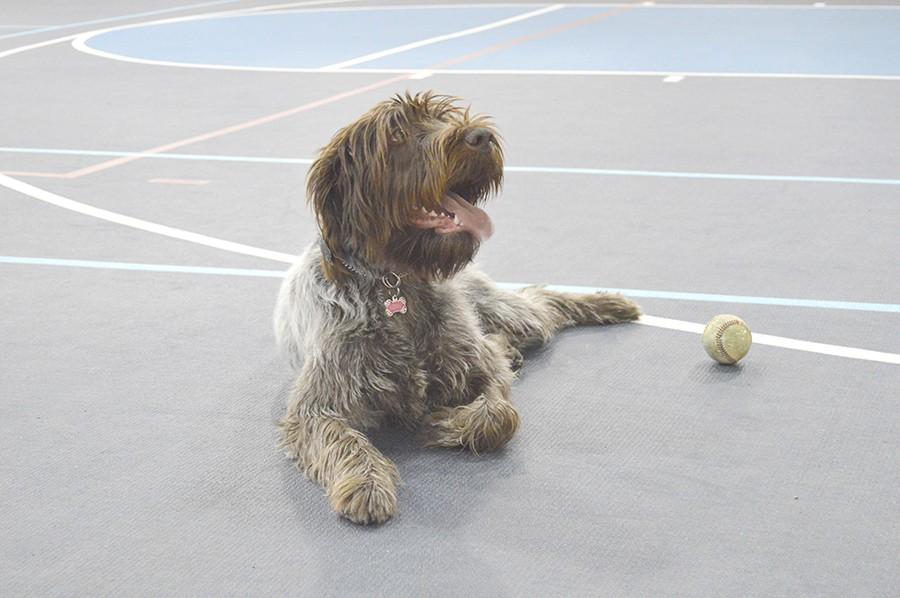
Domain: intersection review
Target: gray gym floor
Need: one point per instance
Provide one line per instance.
(140, 385)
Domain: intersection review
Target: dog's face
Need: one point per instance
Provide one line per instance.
(401, 186)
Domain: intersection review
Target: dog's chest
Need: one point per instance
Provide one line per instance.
(438, 336)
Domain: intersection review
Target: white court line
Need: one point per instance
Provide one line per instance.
(440, 38)
(781, 341)
(656, 322)
(145, 225)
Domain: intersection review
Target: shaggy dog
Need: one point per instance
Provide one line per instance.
(383, 316)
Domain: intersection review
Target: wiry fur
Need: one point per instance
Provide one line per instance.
(446, 367)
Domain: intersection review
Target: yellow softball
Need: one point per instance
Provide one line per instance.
(727, 338)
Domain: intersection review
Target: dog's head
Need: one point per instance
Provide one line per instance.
(400, 187)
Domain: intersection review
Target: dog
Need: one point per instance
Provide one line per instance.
(384, 318)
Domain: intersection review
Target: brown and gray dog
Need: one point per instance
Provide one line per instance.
(385, 319)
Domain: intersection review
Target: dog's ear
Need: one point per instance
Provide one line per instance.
(350, 192)
(323, 190)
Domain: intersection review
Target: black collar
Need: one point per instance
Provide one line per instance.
(353, 264)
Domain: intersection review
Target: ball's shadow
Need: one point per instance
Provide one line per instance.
(716, 373)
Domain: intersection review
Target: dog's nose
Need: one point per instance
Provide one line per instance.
(480, 138)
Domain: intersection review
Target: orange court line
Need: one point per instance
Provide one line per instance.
(605, 14)
(234, 128)
(106, 165)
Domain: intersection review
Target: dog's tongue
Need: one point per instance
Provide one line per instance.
(473, 219)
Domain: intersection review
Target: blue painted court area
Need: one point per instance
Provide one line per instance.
(293, 39)
(639, 39)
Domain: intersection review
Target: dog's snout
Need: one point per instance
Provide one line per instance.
(480, 138)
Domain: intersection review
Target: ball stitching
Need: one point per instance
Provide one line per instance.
(719, 333)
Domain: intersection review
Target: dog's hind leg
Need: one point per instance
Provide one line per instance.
(360, 482)
(530, 317)
(490, 420)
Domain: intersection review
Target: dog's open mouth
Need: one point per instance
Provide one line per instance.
(456, 215)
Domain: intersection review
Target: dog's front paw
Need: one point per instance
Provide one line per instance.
(365, 498)
(481, 425)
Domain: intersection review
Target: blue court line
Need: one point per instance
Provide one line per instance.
(704, 297)
(714, 298)
(115, 19)
(705, 175)
(534, 169)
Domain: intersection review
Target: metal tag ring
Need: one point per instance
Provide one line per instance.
(391, 285)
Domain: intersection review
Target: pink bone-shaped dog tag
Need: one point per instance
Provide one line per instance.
(395, 305)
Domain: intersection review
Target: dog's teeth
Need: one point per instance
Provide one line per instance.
(432, 213)
(456, 220)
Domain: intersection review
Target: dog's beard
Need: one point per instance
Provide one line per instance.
(428, 254)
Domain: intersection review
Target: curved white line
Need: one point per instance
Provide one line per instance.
(197, 16)
(177, 233)
(79, 43)
(145, 225)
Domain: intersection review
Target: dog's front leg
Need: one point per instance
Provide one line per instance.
(361, 483)
(489, 421)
